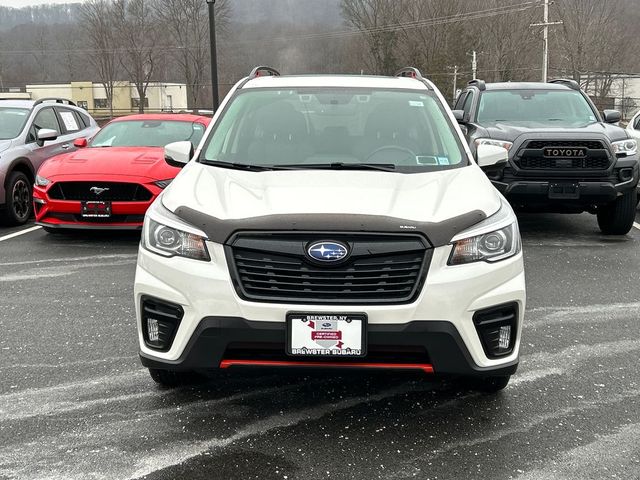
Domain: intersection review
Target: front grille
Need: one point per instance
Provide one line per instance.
(115, 191)
(531, 156)
(382, 269)
(573, 163)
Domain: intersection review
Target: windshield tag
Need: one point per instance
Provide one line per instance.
(415, 103)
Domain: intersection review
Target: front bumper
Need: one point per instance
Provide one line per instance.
(66, 214)
(569, 190)
(218, 325)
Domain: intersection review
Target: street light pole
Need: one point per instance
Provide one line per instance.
(214, 54)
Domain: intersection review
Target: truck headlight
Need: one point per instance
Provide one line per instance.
(169, 242)
(496, 143)
(625, 147)
(496, 238)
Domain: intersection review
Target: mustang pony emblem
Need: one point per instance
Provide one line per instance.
(98, 190)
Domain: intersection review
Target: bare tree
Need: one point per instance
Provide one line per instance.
(97, 18)
(185, 23)
(138, 35)
(371, 17)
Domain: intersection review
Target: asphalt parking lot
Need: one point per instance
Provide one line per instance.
(76, 404)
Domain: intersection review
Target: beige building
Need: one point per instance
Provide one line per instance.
(160, 97)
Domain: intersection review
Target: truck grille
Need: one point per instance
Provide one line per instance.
(380, 270)
(114, 191)
(532, 157)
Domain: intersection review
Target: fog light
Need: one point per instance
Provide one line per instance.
(153, 330)
(505, 337)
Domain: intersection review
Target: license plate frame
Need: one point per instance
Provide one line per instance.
(564, 191)
(95, 209)
(344, 324)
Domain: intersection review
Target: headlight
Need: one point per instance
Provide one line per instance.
(163, 183)
(41, 181)
(496, 143)
(625, 147)
(170, 242)
(496, 238)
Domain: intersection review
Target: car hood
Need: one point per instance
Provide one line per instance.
(138, 161)
(230, 195)
(514, 130)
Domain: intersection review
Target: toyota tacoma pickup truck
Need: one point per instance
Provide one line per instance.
(331, 222)
(564, 156)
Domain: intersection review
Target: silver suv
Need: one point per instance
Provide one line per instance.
(32, 131)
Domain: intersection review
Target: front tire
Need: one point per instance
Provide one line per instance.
(172, 379)
(617, 218)
(488, 385)
(18, 201)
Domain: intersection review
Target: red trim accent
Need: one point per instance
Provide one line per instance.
(425, 367)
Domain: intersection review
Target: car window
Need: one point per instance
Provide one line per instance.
(12, 122)
(549, 107)
(69, 120)
(147, 133)
(319, 126)
(637, 124)
(460, 102)
(467, 104)
(45, 118)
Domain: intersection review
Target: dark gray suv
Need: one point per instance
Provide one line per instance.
(32, 131)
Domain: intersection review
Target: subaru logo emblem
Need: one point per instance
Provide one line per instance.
(98, 190)
(328, 251)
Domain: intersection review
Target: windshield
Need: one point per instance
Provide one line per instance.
(11, 122)
(553, 107)
(147, 133)
(351, 128)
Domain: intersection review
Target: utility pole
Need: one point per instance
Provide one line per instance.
(545, 39)
(455, 84)
(474, 65)
(214, 54)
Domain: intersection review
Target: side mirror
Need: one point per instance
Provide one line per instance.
(45, 134)
(178, 154)
(491, 155)
(459, 116)
(612, 116)
(80, 142)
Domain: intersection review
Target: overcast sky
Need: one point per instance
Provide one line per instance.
(26, 3)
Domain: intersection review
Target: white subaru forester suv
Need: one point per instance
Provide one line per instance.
(331, 222)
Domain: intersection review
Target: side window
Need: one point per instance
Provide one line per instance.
(45, 118)
(637, 124)
(69, 120)
(460, 101)
(467, 104)
(80, 120)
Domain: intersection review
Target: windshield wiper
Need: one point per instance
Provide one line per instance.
(382, 167)
(242, 166)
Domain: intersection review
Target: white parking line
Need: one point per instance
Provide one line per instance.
(17, 234)
(637, 225)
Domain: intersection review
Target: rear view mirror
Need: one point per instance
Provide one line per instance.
(459, 116)
(491, 155)
(45, 134)
(612, 116)
(178, 154)
(80, 142)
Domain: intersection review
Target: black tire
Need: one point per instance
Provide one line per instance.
(18, 200)
(171, 379)
(617, 218)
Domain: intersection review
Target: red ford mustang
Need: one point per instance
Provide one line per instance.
(112, 182)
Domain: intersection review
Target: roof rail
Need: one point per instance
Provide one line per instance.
(482, 86)
(568, 82)
(263, 71)
(410, 72)
(54, 99)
